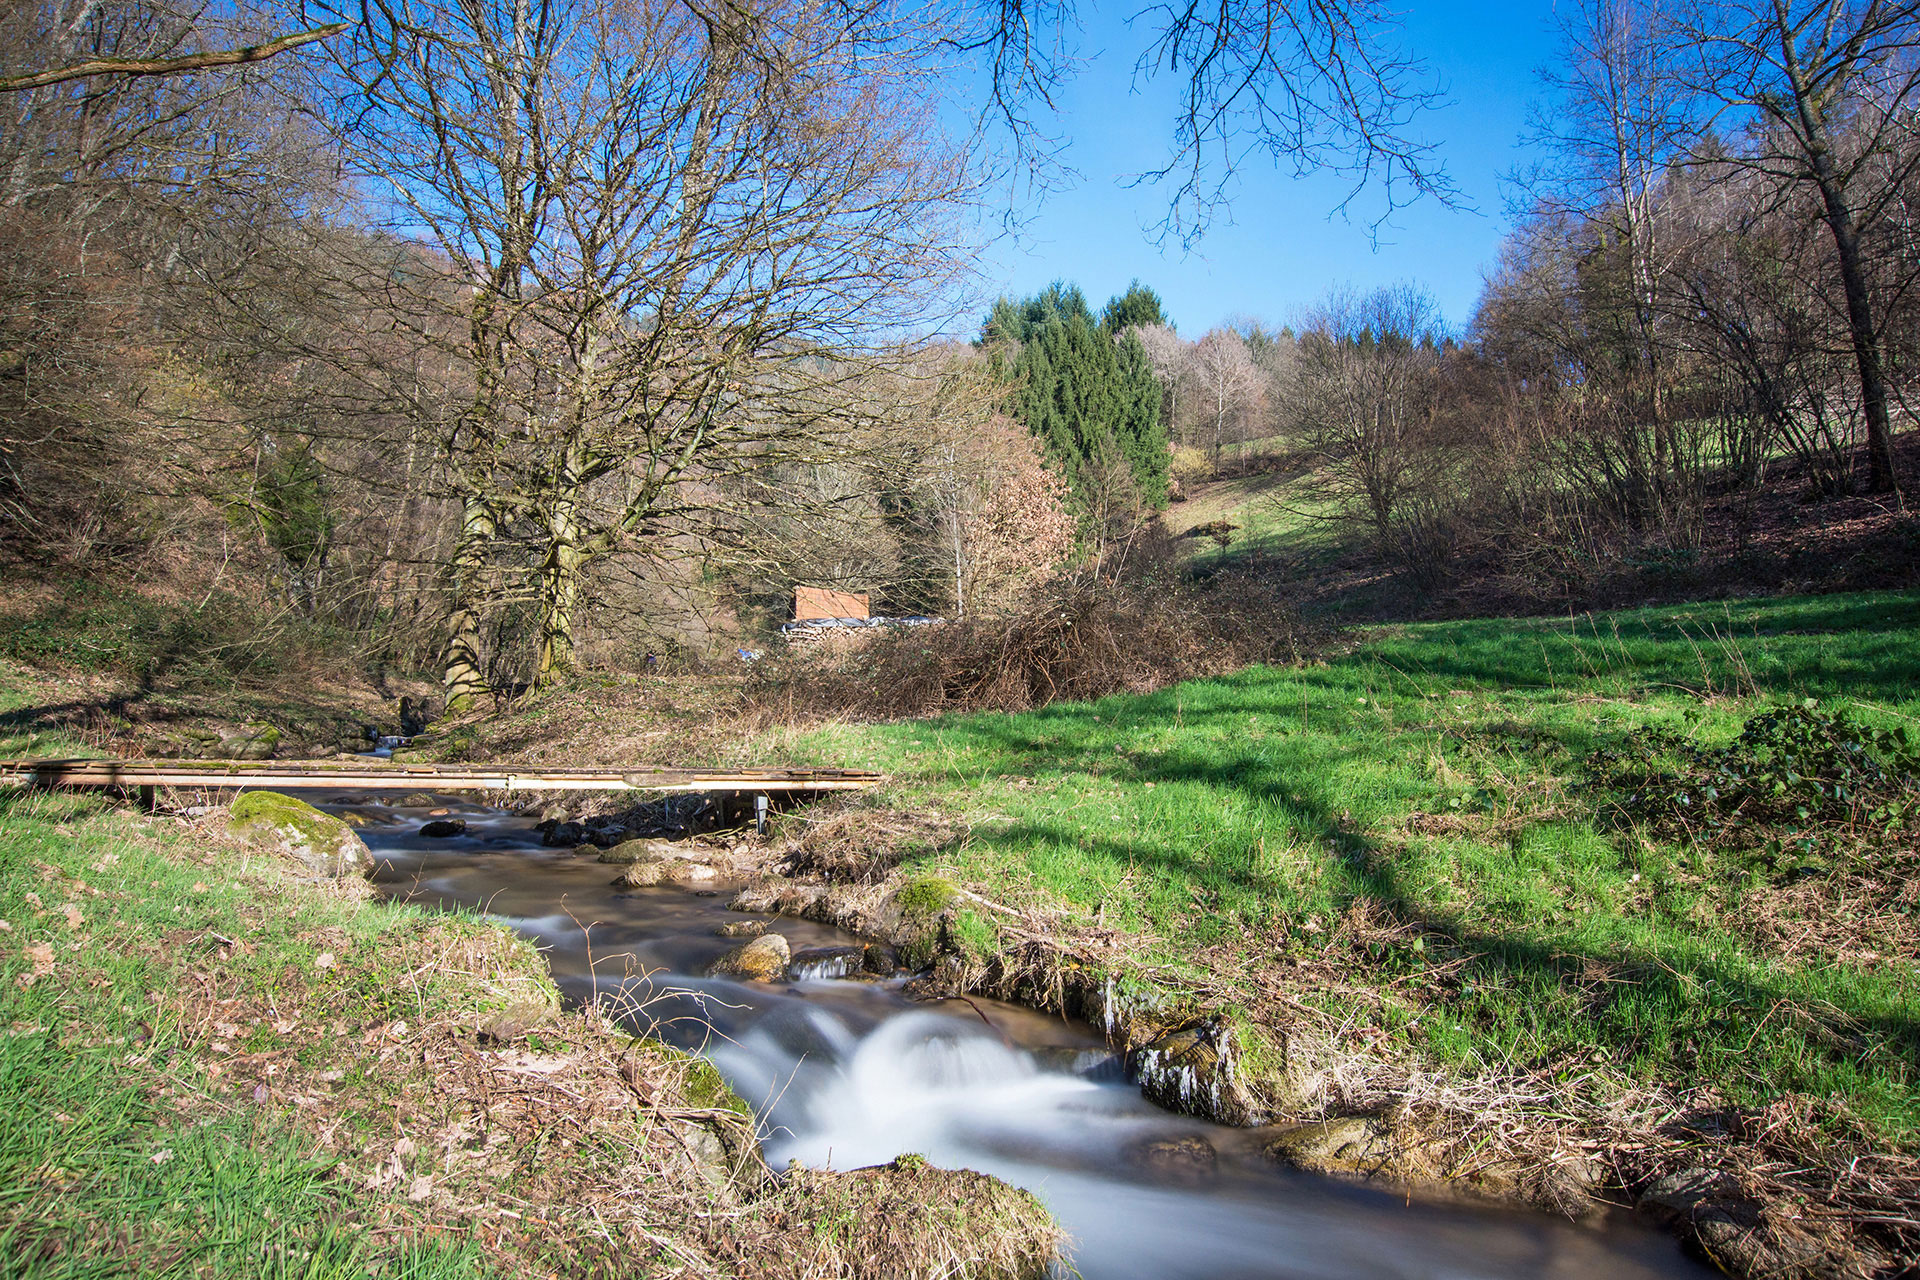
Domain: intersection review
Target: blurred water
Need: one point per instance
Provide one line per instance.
(847, 1072)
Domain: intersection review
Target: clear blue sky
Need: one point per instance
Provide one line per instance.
(1281, 250)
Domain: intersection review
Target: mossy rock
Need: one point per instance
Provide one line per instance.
(320, 842)
(765, 959)
(708, 1089)
(918, 910)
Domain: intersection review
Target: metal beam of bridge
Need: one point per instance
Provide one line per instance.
(380, 775)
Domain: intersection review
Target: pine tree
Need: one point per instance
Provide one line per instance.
(1091, 399)
(1137, 308)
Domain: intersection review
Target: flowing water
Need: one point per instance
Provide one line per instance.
(846, 1072)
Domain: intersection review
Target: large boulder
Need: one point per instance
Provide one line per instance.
(764, 959)
(320, 842)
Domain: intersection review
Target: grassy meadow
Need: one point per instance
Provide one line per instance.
(1429, 778)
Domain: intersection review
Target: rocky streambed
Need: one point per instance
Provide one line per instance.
(855, 1048)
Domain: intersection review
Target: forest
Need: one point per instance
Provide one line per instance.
(498, 342)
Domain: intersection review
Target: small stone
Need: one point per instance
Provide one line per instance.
(743, 928)
(442, 827)
(688, 874)
(762, 960)
(1186, 1159)
(639, 851)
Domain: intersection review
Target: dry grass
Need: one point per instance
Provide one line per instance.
(1082, 636)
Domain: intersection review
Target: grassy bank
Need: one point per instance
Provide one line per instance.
(1430, 778)
(214, 1066)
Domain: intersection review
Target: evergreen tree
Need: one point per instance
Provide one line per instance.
(1090, 399)
(1142, 435)
(1138, 307)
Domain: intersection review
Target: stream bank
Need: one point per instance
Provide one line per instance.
(850, 1069)
(218, 1062)
(1273, 1069)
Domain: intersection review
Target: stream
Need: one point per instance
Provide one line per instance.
(845, 1071)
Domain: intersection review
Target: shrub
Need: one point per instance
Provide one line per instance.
(1793, 768)
(1080, 636)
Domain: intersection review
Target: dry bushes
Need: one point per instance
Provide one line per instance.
(1083, 635)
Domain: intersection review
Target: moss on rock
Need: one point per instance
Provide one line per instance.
(320, 842)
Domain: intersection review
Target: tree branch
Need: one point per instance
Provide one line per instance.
(169, 66)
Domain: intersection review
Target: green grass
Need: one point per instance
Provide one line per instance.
(1276, 512)
(118, 1153)
(1257, 810)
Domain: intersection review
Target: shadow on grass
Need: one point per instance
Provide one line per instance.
(1689, 1009)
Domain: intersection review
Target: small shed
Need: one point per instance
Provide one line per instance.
(813, 603)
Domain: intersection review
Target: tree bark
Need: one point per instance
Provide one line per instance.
(1881, 477)
(463, 677)
(560, 571)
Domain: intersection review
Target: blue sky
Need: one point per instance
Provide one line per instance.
(1278, 249)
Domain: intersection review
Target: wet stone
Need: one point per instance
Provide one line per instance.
(442, 827)
(639, 851)
(826, 962)
(762, 960)
(1344, 1142)
(1089, 1064)
(559, 834)
(1185, 1159)
(743, 928)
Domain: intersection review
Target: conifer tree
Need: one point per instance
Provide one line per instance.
(1089, 397)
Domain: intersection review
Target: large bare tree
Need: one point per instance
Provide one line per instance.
(655, 220)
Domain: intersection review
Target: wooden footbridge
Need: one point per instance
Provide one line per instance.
(380, 775)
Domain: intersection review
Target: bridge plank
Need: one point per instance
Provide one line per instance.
(379, 775)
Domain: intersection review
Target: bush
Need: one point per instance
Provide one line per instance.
(1791, 769)
(1080, 636)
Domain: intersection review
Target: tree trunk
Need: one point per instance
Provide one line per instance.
(560, 571)
(1815, 133)
(1866, 342)
(463, 678)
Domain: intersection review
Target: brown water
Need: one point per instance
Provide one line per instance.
(847, 1072)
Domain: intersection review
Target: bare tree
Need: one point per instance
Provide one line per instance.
(657, 222)
(1616, 123)
(1367, 390)
(1226, 384)
(1826, 91)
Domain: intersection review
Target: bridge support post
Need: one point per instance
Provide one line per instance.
(760, 813)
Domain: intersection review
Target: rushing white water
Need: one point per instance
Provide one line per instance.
(846, 1072)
